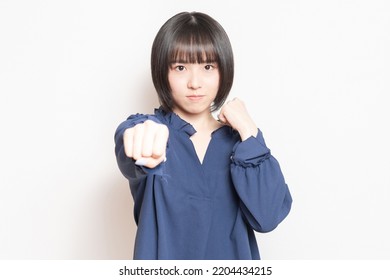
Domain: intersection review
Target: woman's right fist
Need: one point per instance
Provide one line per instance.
(146, 143)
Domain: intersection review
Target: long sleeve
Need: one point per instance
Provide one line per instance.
(136, 175)
(264, 196)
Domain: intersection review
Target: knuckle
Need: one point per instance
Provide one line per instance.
(128, 132)
(148, 123)
(139, 127)
(157, 153)
(165, 128)
(146, 152)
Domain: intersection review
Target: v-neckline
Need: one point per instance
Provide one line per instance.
(201, 161)
(205, 156)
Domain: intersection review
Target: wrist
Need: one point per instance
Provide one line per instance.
(248, 132)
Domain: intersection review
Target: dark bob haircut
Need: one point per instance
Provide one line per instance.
(191, 38)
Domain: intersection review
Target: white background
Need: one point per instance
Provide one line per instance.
(315, 76)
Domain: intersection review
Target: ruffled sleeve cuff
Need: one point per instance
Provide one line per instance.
(250, 152)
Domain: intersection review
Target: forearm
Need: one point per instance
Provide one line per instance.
(259, 182)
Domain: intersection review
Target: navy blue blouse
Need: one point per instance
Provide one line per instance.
(185, 209)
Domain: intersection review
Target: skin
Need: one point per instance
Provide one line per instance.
(194, 87)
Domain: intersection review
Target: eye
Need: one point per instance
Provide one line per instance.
(179, 68)
(209, 67)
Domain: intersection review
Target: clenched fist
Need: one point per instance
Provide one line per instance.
(235, 114)
(146, 143)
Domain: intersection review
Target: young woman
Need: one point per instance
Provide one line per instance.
(201, 186)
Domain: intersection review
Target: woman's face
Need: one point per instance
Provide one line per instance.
(194, 87)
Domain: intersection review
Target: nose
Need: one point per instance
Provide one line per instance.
(194, 81)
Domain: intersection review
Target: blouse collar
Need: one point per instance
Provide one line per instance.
(175, 121)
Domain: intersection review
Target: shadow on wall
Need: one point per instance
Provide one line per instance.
(122, 224)
(105, 229)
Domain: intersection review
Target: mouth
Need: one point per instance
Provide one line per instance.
(195, 97)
